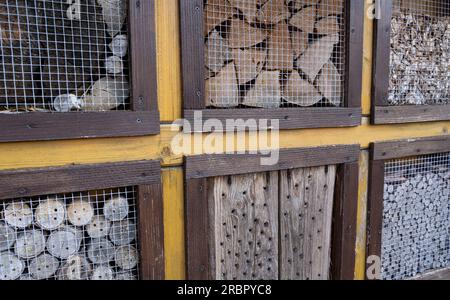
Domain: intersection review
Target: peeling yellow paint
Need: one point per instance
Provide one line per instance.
(173, 196)
(360, 264)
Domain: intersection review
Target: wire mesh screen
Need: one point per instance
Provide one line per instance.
(416, 221)
(274, 53)
(420, 53)
(77, 236)
(63, 55)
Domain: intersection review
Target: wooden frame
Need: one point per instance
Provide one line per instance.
(379, 154)
(381, 112)
(200, 168)
(192, 43)
(143, 119)
(145, 175)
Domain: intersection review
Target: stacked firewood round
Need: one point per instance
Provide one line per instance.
(64, 55)
(416, 222)
(77, 240)
(273, 53)
(420, 58)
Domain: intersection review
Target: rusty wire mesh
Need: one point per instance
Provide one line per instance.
(63, 55)
(420, 53)
(274, 53)
(76, 236)
(416, 220)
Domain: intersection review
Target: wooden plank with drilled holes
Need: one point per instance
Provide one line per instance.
(306, 208)
(245, 226)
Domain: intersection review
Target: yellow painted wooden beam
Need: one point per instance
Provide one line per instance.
(173, 195)
(360, 264)
(367, 63)
(89, 151)
(59, 153)
(169, 62)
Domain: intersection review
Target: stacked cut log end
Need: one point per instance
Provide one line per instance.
(416, 224)
(420, 56)
(57, 55)
(273, 53)
(74, 240)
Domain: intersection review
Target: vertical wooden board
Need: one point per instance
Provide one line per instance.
(306, 207)
(360, 260)
(367, 62)
(151, 231)
(142, 29)
(375, 207)
(192, 52)
(168, 59)
(174, 224)
(344, 222)
(381, 54)
(245, 226)
(197, 233)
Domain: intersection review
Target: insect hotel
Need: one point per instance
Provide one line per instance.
(99, 180)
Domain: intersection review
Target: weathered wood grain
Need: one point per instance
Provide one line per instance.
(306, 208)
(246, 226)
(35, 182)
(202, 166)
(412, 147)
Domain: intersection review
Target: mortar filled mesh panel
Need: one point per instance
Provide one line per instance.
(76, 236)
(420, 53)
(416, 220)
(274, 53)
(63, 55)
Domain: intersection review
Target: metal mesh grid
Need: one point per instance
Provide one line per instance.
(420, 53)
(63, 55)
(76, 236)
(274, 53)
(416, 220)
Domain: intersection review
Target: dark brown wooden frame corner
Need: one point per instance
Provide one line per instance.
(145, 175)
(382, 113)
(380, 153)
(142, 119)
(192, 47)
(199, 168)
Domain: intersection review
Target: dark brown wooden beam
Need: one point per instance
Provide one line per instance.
(151, 231)
(410, 114)
(197, 228)
(343, 248)
(77, 125)
(204, 166)
(43, 181)
(407, 148)
(289, 118)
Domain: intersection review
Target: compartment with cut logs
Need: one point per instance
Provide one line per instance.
(412, 63)
(269, 225)
(269, 56)
(274, 53)
(74, 236)
(409, 210)
(64, 55)
(76, 56)
(96, 234)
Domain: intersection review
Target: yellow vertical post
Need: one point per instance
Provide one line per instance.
(362, 214)
(367, 63)
(169, 59)
(173, 196)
